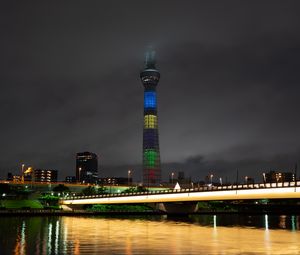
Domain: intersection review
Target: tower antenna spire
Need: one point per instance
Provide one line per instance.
(150, 58)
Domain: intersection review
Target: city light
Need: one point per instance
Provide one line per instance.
(129, 173)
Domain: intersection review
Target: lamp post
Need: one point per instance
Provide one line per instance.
(128, 175)
(22, 174)
(264, 176)
(211, 177)
(172, 177)
(221, 183)
(79, 176)
(246, 180)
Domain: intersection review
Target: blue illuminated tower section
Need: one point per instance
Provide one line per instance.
(151, 156)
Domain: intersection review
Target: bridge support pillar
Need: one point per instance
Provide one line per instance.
(72, 207)
(177, 208)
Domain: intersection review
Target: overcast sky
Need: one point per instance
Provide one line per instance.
(228, 97)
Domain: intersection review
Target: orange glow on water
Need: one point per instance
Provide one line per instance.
(164, 237)
(96, 235)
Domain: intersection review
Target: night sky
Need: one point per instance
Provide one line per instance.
(228, 96)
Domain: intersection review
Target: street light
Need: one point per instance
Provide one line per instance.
(22, 174)
(221, 183)
(246, 180)
(211, 176)
(172, 177)
(264, 176)
(129, 172)
(79, 176)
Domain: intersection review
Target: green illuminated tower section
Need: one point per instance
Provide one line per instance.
(151, 157)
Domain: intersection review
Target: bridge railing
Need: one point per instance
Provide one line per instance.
(197, 189)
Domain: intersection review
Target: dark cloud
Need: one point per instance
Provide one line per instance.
(228, 91)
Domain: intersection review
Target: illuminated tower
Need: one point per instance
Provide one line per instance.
(151, 157)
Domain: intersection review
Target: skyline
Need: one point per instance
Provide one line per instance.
(228, 95)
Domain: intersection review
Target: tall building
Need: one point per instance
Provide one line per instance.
(151, 156)
(86, 167)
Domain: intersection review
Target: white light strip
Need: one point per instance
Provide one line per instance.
(270, 193)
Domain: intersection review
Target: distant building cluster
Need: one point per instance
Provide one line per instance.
(86, 172)
(34, 175)
(274, 176)
(115, 181)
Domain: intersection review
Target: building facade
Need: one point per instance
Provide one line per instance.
(151, 156)
(86, 167)
(115, 181)
(70, 179)
(45, 175)
(274, 176)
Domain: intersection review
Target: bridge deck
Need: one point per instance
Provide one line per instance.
(234, 192)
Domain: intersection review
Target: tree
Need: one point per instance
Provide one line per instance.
(90, 190)
(135, 189)
(141, 189)
(61, 188)
(102, 190)
(5, 188)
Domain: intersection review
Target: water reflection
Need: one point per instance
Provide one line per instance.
(199, 234)
(266, 222)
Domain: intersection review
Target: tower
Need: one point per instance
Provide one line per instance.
(151, 156)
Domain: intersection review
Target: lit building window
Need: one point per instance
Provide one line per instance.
(150, 121)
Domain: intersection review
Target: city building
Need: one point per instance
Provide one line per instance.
(249, 180)
(70, 179)
(28, 174)
(274, 176)
(86, 167)
(115, 181)
(151, 155)
(9, 176)
(180, 178)
(43, 175)
(17, 178)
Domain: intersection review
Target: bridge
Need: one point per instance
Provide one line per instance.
(185, 200)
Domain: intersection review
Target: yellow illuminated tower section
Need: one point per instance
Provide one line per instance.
(151, 156)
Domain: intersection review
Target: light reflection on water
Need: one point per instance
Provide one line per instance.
(198, 234)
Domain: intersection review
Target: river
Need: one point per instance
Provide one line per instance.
(198, 234)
